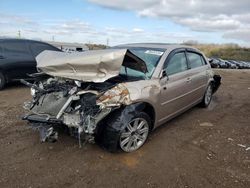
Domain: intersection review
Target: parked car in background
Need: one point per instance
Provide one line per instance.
(231, 65)
(223, 64)
(218, 63)
(214, 62)
(246, 65)
(237, 64)
(17, 58)
(117, 96)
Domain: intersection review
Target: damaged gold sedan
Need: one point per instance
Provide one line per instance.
(115, 97)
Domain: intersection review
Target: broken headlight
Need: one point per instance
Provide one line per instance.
(78, 83)
(115, 96)
(33, 92)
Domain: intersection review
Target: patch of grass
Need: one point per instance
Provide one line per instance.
(227, 51)
(96, 46)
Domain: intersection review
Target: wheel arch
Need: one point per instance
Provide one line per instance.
(133, 108)
(109, 128)
(148, 109)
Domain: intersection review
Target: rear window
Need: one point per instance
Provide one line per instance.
(195, 60)
(37, 48)
(15, 47)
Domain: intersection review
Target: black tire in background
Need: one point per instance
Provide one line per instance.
(2, 81)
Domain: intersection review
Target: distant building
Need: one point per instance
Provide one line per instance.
(69, 47)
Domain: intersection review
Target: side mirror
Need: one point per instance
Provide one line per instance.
(164, 74)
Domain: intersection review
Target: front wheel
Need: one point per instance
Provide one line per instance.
(128, 134)
(135, 134)
(207, 96)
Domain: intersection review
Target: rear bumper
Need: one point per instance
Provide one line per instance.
(33, 118)
(216, 83)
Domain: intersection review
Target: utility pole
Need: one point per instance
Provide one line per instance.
(107, 42)
(19, 34)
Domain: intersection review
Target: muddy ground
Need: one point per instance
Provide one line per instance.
(201, 148)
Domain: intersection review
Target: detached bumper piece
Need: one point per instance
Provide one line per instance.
(47, 132)
(45, 126)
(33, 118)
(216, 83)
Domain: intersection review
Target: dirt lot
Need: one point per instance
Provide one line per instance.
(201, 148)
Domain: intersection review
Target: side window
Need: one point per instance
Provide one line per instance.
(178, 63)
(37, 48)
(195, 60)
(17, 47)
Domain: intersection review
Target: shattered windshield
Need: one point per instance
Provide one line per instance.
(150, 56)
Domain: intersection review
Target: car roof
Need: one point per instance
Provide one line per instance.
(28, 40)
(19, 39)
(164, 46)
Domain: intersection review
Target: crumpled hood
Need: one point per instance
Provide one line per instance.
(88, 66)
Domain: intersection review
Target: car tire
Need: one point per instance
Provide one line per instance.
(207, 98)
(2, 81)
(126, 133)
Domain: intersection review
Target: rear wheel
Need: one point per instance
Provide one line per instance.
(2, 81)
(207, 96)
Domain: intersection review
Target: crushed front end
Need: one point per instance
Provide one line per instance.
(78, 90)
(74, 105)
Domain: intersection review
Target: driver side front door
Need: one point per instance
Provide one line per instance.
(174, 86)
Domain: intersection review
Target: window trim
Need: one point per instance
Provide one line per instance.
(198, 53)
(170, 56)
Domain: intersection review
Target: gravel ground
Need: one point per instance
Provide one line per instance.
(201, 148)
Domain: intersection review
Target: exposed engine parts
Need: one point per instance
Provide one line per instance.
(78, 106)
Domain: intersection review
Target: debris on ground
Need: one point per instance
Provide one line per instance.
(206, 124)
(241, 145)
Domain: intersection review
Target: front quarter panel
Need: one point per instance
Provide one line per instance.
(145, 91)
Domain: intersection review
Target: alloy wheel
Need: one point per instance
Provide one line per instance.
(134, 135)
(208, 95)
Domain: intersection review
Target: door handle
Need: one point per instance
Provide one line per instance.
(189, 79)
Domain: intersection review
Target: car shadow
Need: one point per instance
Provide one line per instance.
(172, 122)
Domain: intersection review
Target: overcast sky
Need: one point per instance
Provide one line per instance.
(126, 21)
